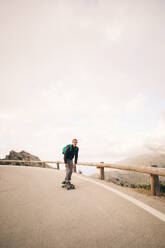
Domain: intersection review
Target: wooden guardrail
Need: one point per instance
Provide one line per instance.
(153, 171)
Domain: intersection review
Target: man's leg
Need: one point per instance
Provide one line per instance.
(67, 173)
(70, 169)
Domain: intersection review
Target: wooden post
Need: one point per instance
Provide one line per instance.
(152, 179)
(43, 165)
(101, 171)
(155, 184)
(58, 166)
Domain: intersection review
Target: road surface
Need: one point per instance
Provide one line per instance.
(36, 212)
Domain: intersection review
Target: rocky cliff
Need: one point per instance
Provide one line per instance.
(23, 156)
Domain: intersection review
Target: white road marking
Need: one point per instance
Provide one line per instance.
(138, 203)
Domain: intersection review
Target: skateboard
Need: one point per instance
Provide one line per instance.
(68, 186)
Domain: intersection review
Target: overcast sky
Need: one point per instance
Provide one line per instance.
(87, 69)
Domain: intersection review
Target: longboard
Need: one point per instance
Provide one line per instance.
(68, 186)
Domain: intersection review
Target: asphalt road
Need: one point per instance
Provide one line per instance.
(36, 212)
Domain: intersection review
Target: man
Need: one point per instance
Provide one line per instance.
(68, 160)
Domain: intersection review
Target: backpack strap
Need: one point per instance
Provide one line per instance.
(69, 147)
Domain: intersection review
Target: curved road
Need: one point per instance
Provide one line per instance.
(36, 212)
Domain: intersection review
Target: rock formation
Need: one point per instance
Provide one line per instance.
(22, 156)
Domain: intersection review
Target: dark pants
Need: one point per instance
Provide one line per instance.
(69, 170)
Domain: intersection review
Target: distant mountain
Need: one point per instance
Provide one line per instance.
(146, 160)
(131, 177)
(22, 156)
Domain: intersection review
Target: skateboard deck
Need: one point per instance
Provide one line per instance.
(68, 186)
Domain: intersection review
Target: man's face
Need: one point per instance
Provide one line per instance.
(74, 142)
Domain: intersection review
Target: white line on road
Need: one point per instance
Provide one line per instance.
(138, 203)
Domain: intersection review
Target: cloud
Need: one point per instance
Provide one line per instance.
(155, 141)
(157, 148)
(5, 115)
(136, 103)
(81, 69)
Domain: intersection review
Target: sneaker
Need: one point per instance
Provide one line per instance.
(68, 182)
(64, 182)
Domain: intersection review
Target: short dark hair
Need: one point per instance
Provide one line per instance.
(74, 139)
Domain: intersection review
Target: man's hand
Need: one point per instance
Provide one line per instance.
(74, 166)
(66, 165)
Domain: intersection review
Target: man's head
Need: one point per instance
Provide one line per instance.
(74, 142)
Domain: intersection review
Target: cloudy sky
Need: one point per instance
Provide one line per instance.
(87, 69)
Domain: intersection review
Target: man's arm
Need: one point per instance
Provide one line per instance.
(65, 154)
(76, 155)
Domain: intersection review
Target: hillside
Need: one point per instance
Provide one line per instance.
(129, 177)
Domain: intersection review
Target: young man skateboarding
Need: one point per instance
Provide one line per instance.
(70, 152)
